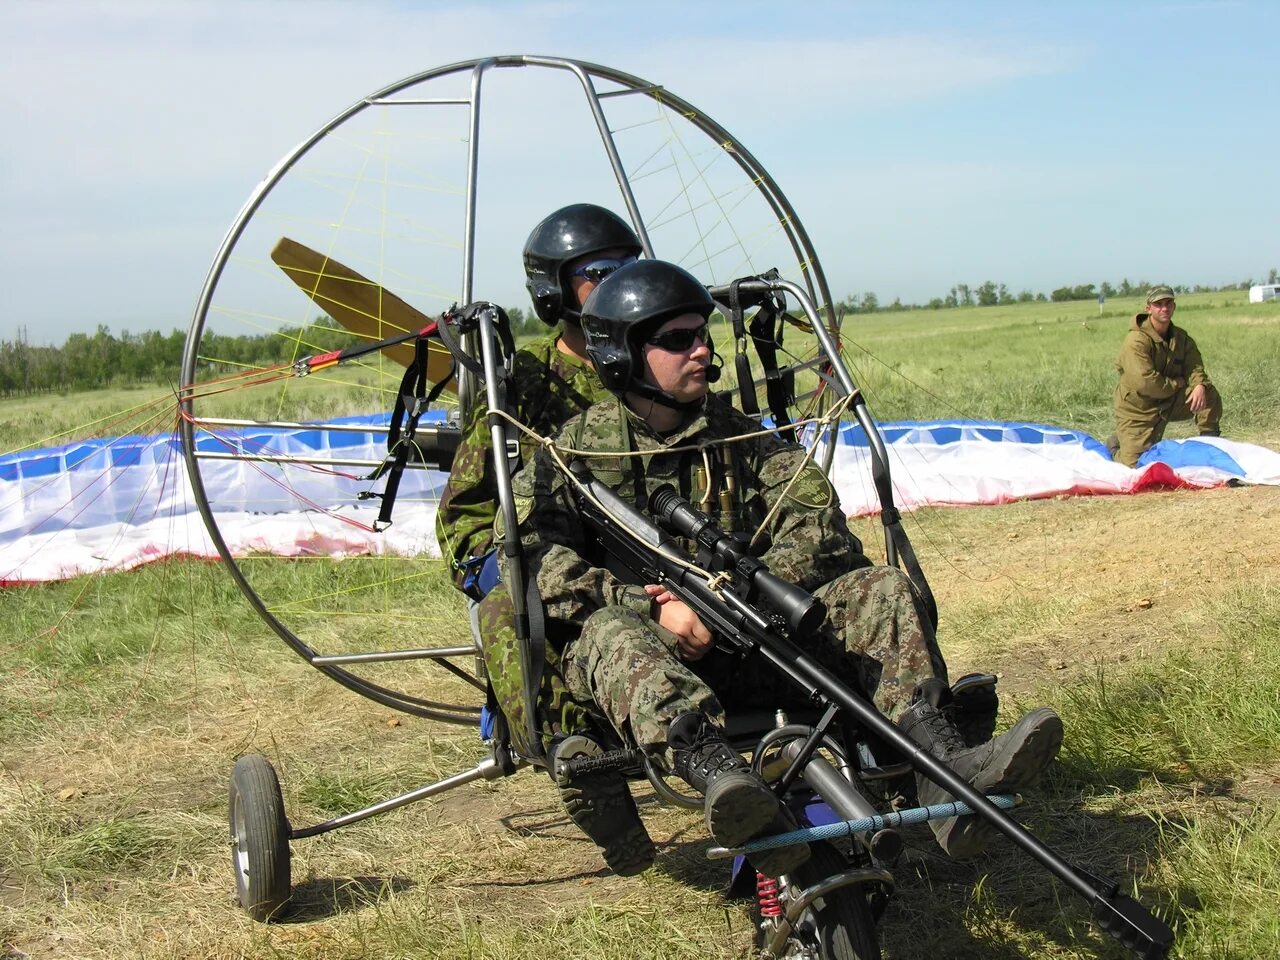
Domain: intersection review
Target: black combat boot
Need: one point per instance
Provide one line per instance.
(1012, 761)
(974, 706)
(739, 804)
(599, 801)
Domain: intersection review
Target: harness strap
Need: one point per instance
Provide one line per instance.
(780, 386)
(741, 361)
(411, 403)
(536, 641)
(892, 521)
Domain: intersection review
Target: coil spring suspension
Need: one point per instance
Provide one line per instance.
(767, 896)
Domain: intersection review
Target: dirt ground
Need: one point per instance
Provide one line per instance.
(1116, 572)
(1039, 592)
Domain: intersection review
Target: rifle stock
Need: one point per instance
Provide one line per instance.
(738, 615)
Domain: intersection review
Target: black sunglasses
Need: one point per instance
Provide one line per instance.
(678, 341)
(597, 270)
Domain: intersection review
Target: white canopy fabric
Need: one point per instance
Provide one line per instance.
(115, 504)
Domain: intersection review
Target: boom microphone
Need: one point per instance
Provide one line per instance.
(713, 368)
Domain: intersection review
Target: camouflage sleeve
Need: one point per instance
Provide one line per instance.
(556, 547)
(464, 521)
(546, 389)
(811, 542)
(1137, 369)
(1196, 373)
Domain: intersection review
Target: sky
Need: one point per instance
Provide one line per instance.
(921, 144)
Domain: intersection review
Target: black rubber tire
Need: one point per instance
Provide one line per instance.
(259, 838)
(842, 927)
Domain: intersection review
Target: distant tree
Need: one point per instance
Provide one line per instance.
(1271, 277)
(965, 295)
(1127, 289)
(1061, 295)
(1003, 295)
(1041, 298)
(870, 302)
(937, 304)
(952, 300)
(1108, 290)
(1025, 296)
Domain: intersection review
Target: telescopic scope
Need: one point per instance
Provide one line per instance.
(803, 612)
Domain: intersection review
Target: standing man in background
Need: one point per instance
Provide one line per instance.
(1162, 378)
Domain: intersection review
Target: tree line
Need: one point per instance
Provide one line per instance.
(102, 359)
(991, 294)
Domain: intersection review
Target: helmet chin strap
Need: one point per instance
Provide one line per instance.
(650, 392)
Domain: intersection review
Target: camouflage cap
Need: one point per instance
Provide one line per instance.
(1162, 292)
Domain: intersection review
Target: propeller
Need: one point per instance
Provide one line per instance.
(360, 305)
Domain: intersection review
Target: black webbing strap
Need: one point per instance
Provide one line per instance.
(411, 402)
(466, 320)
(741, 361)
(536, 643)
(779, 385)
(892, 521)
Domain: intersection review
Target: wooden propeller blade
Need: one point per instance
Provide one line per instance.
(360, 305)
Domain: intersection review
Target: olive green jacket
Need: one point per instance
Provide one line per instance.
(1150, 367)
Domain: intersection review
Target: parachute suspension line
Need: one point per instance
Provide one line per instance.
(235, 381)
(340, 223)
(258, 465)
(100, 491)
(700, 176)
(109, 424)
(300, 602)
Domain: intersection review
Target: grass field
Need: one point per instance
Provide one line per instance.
(1151, 622)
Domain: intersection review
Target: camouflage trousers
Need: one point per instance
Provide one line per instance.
(559, 714)
(876, 639)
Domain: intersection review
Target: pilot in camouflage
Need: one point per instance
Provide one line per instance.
(645, 662)
(877, 633)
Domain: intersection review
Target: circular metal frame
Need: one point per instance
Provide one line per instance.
(588, 75)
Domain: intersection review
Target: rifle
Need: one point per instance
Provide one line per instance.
(754, 610)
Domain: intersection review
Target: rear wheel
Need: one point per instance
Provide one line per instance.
(259, 838)
(837, 926)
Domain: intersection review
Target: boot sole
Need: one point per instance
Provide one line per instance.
(1016, 768)
(602, 807)
(741, 808)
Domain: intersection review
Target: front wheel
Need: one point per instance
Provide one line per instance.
(838, 926)
(259, 838)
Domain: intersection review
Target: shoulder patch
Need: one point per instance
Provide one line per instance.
(524, 507)
(812, 488)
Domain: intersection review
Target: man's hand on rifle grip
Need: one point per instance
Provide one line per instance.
(693, 639)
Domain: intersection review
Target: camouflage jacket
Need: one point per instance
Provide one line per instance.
(1150, 366)
(810, 543)
(548, 388)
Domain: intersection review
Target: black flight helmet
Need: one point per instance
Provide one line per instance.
(571, 232)
(627, 308)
